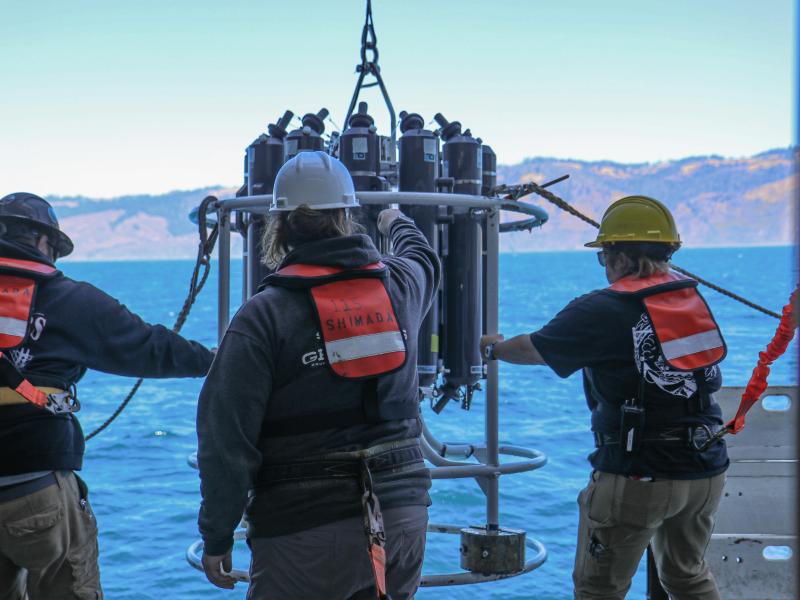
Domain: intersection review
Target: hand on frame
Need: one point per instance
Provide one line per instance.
(491, 338)
(218, 568)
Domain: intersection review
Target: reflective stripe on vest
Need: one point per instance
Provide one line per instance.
(362, 346)
(686, 331)
(359, 325)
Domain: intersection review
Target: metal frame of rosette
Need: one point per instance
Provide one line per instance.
(447, 461)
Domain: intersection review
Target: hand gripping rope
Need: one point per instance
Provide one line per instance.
(204, 250)
(758, 380)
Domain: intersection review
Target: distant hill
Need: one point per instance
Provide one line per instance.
(133, 227)
(717, 202)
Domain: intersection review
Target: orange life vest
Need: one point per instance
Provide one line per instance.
(18, 283)
(18, 280)
(688, 335)
(360, 330)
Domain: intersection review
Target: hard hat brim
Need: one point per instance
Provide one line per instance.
(328, 206)
(61, 240)
(630, 240)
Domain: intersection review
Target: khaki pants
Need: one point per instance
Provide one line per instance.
(330, 561)
(619, 517)
(48, 545)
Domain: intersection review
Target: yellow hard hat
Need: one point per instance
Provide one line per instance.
(636, 219)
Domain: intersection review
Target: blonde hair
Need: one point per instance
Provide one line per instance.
(641, 259)
(287, 230)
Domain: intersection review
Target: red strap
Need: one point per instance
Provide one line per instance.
(758, 380)
(376, 534)
(31, 393)
(377, 558)
(27, 265)
(303, 270)
(632, 283)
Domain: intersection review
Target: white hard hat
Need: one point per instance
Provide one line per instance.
(315, 179)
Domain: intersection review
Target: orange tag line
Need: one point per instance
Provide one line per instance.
(377, 555)
(758, 381)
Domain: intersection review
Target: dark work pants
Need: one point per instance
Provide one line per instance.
(331, 562)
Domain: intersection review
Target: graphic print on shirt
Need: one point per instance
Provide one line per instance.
(656, 370)
(21, 357)
(38, 321)
(316, 357)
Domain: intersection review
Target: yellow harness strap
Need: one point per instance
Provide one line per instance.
(9, 396)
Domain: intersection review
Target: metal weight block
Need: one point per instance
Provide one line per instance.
(493, 551)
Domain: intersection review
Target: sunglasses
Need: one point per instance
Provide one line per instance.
(601, 258)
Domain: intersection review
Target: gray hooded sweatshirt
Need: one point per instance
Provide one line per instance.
(274, 340)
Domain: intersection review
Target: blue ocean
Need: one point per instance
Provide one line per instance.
(146, 496)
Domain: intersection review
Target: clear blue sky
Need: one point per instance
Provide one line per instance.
(108, 98)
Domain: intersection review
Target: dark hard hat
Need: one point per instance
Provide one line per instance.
(32, 210)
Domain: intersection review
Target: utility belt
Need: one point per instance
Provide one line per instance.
(696, 437)
(396, 457)
(26, 488)
(9, 396)
(56, 401)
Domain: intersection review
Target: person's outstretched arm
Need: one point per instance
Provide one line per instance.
(519, 350)
(108, 337)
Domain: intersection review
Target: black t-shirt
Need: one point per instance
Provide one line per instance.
(609, 336)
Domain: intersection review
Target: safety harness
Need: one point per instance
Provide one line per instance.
(363, 341)
(688, 338)
(19, 280)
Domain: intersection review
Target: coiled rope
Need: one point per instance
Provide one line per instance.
(774, 350)
(204, 250)
(515, 192)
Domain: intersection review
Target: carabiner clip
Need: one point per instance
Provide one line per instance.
(63, 402)
(712, 439)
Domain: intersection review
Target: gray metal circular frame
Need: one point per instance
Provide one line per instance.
(193, 557)
(488, 468)
(449, 469)
(261, 203)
